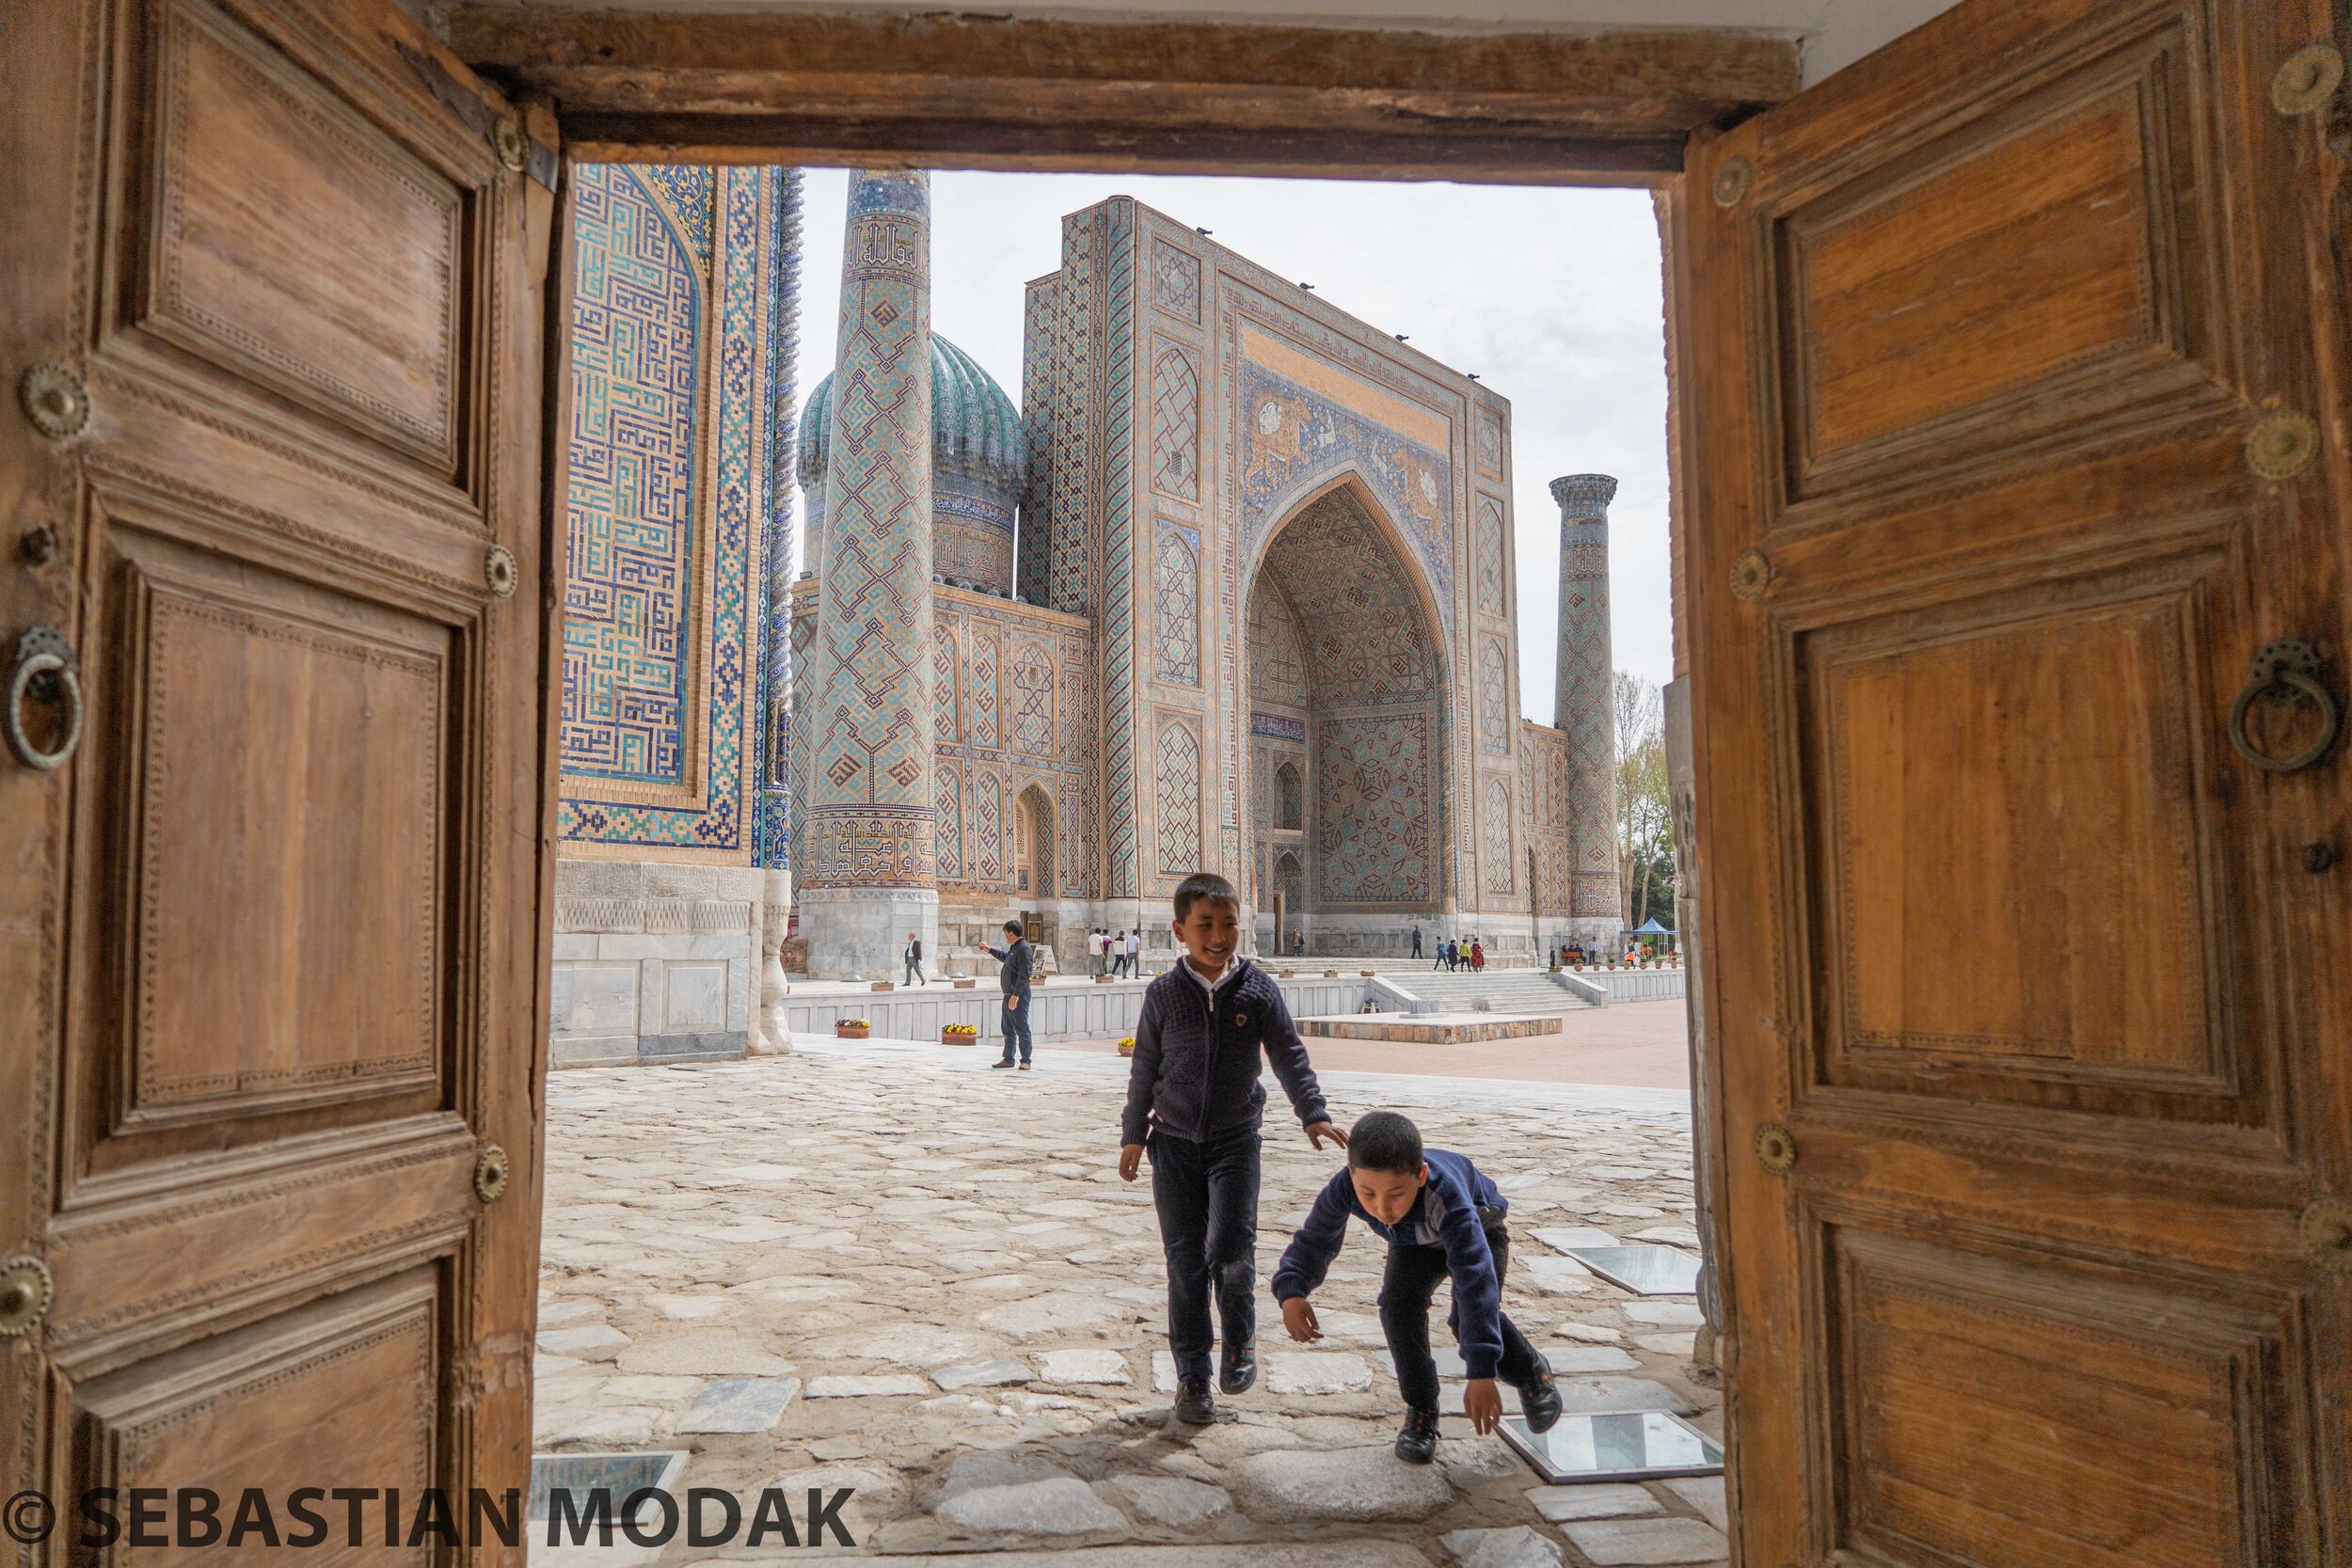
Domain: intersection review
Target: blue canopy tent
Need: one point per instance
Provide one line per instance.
(1651, 929)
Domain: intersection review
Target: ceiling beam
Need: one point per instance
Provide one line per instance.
(972, 91)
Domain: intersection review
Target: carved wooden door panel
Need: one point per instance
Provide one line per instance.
(2011, 371)
(270, 986)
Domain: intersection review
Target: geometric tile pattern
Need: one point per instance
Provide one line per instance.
(668, 505)
(1033, 699)
(1494, 698)
(1176, 604)
(1176, 282)
(1178, 759)
(1117, 599)
(872, 811)
(1373, 836)
(1490, 547)
(1176, 424)
(950, 824)
(1494, 849)
(944, 665)
(629, 509)
(777, 645)
(1366, 636)
(987, 661)
(988, 829)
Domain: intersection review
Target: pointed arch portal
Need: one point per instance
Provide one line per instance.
(1345, 687)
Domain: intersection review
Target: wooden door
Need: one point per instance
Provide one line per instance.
(2011, 369)
(270, 986)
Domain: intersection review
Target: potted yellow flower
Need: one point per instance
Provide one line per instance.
(853, 1028)
(959, 1034)
(1127, 1045)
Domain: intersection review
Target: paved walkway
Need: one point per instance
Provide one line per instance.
(890, 1268)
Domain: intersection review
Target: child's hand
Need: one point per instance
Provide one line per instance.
(1299, 1319)
(1318, 1130)
(1130, 1161)
(1481, 1402)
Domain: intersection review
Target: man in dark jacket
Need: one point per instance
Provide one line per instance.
(1019, 960)
(1195, 1100)
(914, 961)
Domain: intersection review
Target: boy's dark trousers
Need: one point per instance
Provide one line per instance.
(1405, 1290)
(1207, 1197)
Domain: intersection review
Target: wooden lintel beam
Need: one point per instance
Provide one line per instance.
(978, 91)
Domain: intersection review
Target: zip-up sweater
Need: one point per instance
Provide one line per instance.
(1454, 1210)
(1194, 1072)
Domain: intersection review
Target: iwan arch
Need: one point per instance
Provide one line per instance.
(1263, 550)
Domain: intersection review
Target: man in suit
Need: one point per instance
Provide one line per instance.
(914, 961)
(1019, 960)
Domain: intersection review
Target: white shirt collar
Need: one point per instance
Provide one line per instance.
(1208, 983)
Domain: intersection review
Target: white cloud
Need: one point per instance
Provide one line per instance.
(1552, 296)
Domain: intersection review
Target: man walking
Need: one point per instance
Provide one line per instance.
(1135, 955)
(1417, 942)
(914, 961)
(1118, 954)
(1018, 959)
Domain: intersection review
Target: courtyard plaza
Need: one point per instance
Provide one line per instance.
(886, 1266)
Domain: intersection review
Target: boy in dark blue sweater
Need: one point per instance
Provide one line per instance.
(1194, 1099)
(1440, 1218)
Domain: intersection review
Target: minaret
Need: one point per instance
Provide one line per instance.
(870, 875)
(1584, 706)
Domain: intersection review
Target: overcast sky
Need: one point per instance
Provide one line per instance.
(1552, 296)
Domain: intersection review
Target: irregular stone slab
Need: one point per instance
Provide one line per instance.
(908, 1345)
(1588, 1358)
(1706, 1493)
(1519, 1546)
(1668, 1344)
(1057, 1312)
(1598, 1334)
(864, 1387)
(1610, 1499)
(555, 1314)
(1621, 1543)
(591, 1342)
(705, 1353)
(1664, 1314)
(1610, 1396)
(1359, 1485)
(688, 1309)
(1062, 1506)
(1469, 1460)
(544, 1367)
(1672, 1235)
(1102, 1367)
(741, 1405)
(1174, 1501)
(981, 1374)
(1318, 1372)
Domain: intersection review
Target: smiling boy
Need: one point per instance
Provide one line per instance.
(1440, 1218)
(1195, 1100)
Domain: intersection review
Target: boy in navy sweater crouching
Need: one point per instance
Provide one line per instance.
(1440, 1218)
(1193, 1093)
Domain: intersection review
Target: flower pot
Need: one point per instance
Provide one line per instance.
(1368, 974)
(1104, 980)
(1286, 974)
(1330, 974)
(884, 985)
(852, 1031)
(949, 1036)
(1127, 1048)
(966, 985)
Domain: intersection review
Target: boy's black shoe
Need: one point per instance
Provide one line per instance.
(1539, 1402)
(1194, 1405)
(1418, 1443)
(999, 1064)
(1238, 1368)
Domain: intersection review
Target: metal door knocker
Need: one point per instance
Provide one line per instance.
(491, 1172)
(44, 670)
(25, 1292)
(1775, 1148)
(2285, 671)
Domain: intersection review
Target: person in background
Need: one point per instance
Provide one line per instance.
(1478, 957)
(1135, 955)
(913, 955)
(1019, 962)
(1416, 942)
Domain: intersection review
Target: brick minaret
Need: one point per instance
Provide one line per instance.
(870, 875)
(1583, 709)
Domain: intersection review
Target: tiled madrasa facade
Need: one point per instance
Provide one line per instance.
(1258, 615)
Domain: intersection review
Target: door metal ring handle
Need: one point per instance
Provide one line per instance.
(44, 651)
(2285, 671)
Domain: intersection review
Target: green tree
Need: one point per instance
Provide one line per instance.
(1645, 869)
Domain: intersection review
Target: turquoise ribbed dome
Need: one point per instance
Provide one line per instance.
(976, 429)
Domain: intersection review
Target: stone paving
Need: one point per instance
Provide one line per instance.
(893, 1269)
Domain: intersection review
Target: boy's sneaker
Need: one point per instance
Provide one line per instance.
(1237, 1368)
(1539, 1402)
(1194, 1405)
(1418, 1443)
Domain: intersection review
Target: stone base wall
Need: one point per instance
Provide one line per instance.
(1063, 1012)
(654, 963)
